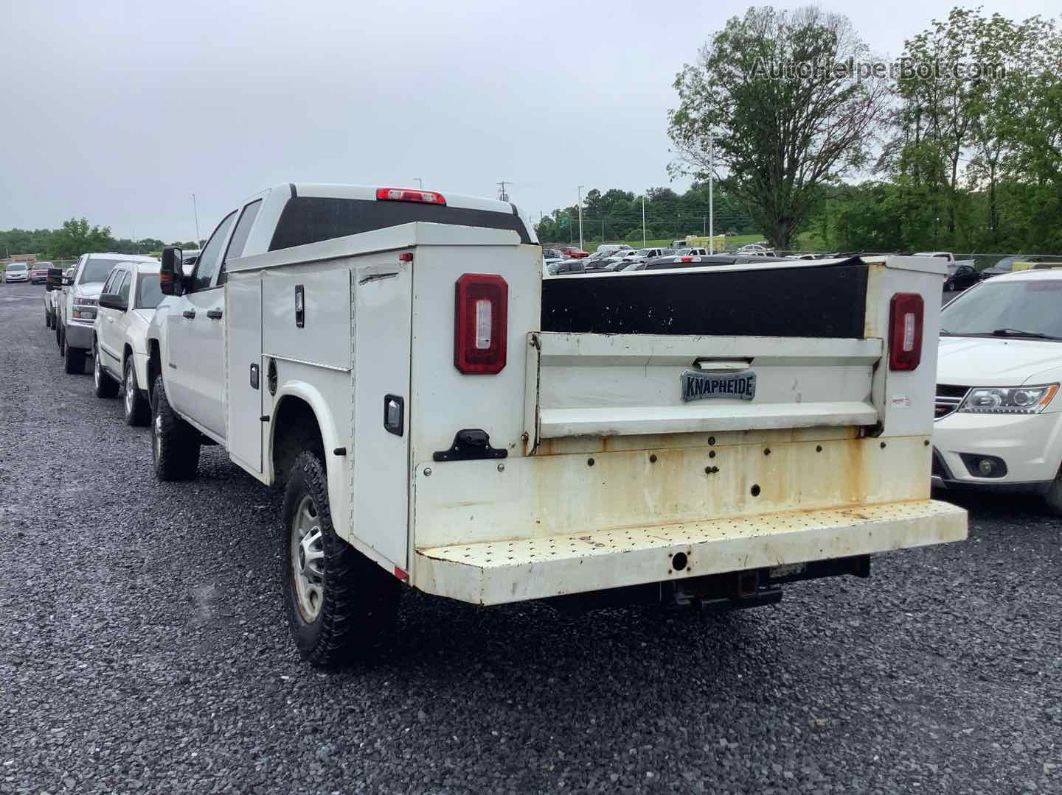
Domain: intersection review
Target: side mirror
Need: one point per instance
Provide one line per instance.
(113, 301)
(54, 280)
(171, 272)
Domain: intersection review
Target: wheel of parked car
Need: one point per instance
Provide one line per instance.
(1053, 495)
(104, 385)
(174, 443)
(73, 359)
(137, 409)
(341, 606)
(59, 339)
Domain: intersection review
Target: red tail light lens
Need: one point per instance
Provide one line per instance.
(481, 323)
(406, 195)
(906, 311)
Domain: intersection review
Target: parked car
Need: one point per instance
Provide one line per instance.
(39, 272)
(16, 272)
(386, 381)
(568, 266)
(127, 303)
(573, 252)
(948, 257)
(962, 278)
(998, 414)
(77, 310)
(608, 249)
(700, 261)
(53, 291)
(1005, 265)
(756, 250)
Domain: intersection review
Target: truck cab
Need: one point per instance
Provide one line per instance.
(443, 418)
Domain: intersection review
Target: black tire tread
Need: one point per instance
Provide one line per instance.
(141, 413)
(360, 599)
(180, 441)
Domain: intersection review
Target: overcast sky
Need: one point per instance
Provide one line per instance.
(119, 111)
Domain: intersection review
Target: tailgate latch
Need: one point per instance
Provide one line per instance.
(470, 444)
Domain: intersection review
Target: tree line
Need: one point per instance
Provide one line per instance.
(955, 145)
(74, 238)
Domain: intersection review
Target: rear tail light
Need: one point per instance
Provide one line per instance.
(481, 323)
(406, 195)
(906, 311)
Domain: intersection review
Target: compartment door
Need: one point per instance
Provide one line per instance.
(244, 376)
(380, 488)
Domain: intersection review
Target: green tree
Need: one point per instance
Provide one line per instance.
(76, 237)
(784, 117)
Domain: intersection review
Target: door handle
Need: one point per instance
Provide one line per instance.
(189, 313)
(214, 314)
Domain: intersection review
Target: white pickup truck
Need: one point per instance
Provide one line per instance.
(443, 418)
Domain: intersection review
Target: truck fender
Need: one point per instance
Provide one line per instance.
(325, 422)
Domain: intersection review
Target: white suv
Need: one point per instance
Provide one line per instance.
(119, 347)
(998, 411)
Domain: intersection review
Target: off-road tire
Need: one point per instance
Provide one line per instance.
(137, 410)
(174, 443)
(360, 602)
(103, 386)
(73, 359)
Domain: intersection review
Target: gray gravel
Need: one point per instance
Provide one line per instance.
(142, 647)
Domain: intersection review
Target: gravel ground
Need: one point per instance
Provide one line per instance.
(143, 647)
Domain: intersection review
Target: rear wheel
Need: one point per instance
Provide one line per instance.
(174, 443)
(341, 606)
(137, 409)
(104, 385)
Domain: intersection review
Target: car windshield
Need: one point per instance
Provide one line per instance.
(97, 269)
(16, 266)
(148, 292)
(1020, 308)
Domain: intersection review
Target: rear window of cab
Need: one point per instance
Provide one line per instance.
(310, 219)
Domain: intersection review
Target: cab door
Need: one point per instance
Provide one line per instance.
(195, 377)
(108, 331)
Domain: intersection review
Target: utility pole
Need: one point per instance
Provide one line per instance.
(195, 211)
(643, 221)
(420, 182)
(502, 195)
(711, 200)
(581, 217)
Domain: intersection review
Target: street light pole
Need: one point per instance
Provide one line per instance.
(711, 198)
(420, 182)
(580, 217)
(643, 221)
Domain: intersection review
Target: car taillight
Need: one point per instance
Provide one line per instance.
(905, 331)
(406, 195)
(481, 323)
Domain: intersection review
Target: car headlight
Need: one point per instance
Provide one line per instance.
(84, 308)
(1008, 399)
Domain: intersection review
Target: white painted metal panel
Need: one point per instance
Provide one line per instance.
(623, 384)
(444, 399)
(243, 349)
(380, 488)
(542, 495)
(324, 339)
(511, 571)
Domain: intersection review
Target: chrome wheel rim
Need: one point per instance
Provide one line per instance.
(307, 559)
(156, 436)
(129, 387)
(96, 367)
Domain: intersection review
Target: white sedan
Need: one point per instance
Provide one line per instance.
(119, 350)
(998, 411)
